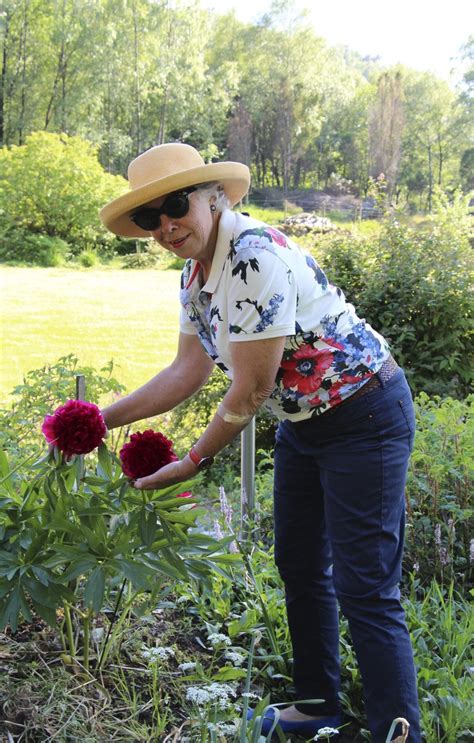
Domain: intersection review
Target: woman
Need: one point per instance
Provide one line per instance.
(262, 310)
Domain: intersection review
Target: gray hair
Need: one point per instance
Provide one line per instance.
(215, 190)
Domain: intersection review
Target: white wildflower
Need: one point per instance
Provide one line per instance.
(250, 695)
(416, 567)
(437, 534)
(219, 694)
(325, 733)
(187, 666)
(198, 695)
(223, 728)
(217, 638)
(153, 655)
(471, 551)
(235, 658)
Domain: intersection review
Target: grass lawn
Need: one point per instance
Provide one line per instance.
(130, 316)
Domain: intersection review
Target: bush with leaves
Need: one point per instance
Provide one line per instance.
(54, 185)
(41, 392)
(414, 288)
(439, 487)
(20, 246)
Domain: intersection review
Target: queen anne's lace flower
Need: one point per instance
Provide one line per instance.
(217, 694)
(156, 654)
(325, 733)
(217, 638)
(236, 658)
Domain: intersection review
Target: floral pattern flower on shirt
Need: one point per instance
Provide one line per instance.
(267, 315)
(305, 371)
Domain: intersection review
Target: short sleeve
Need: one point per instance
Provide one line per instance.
(262, 296)
(185, 324)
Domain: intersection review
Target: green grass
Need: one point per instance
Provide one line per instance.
(97, 314)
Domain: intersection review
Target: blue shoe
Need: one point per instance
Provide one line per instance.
(305, 728)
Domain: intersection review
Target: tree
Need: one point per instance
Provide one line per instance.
(386, 124)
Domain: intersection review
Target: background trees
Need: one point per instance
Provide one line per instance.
(127, 74)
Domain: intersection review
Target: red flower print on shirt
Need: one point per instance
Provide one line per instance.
(277, 237)
(305, 370)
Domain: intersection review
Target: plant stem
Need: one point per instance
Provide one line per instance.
(103, 653)
(69, 631)
(86, 639)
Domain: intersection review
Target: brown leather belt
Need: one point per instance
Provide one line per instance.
(386, 371)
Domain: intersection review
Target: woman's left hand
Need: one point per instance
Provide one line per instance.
(168, 475)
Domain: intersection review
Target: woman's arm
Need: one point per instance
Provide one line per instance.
(255, 365)
(185, 376)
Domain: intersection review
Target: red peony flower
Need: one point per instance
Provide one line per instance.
(77, 427)
(305, 370)
(146, 453)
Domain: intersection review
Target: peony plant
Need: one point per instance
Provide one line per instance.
(77, 538)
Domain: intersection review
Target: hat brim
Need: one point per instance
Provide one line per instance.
(234, 177)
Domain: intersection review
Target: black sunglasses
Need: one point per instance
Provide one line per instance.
(175, 205)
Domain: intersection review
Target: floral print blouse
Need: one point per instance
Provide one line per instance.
(262, 285)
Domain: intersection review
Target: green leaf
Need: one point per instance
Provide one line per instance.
(46, 613)
(136, 573)
(79, 567)
(229, 673)
(95, 589)
(105, 461)
(148, 527)
(227, 558)
(41, 574)
(11, 610)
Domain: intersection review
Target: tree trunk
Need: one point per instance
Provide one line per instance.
(430, 179)
(3, 83)
(136, 81)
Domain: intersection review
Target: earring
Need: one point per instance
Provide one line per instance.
(213, 207)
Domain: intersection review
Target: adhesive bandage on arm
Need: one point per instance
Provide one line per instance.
(229, 417)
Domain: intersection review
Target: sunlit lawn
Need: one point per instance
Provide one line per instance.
(129, 316)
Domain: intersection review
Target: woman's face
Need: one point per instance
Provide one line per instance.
(191, 236)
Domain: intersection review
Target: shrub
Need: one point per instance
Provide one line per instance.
(414, 288)
(54, 185)
(41, 392)
(439, 487)
(20, 246)
(88, 258)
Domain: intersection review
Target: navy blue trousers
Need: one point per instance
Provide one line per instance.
(339, 527)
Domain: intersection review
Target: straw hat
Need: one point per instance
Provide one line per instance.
(162, 170)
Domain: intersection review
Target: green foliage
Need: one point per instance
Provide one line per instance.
(20, 246)
(63, 197)
(439, 488)
(42, 391)
(69, 536)
(441, 625)
(88, 258)
(414, 288)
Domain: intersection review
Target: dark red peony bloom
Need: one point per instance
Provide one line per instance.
(305, 370)
(146, 453)
(77, 427)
